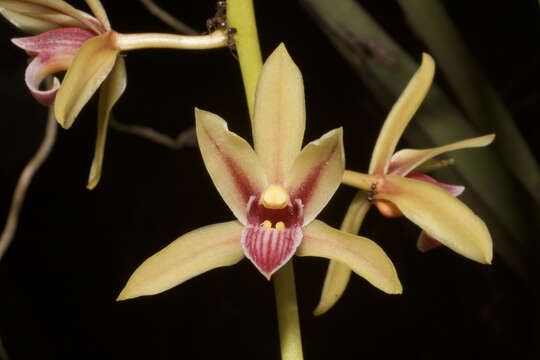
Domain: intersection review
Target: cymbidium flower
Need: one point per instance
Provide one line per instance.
(275, 192)
(396, 189)
(88, 49)
(85, 46)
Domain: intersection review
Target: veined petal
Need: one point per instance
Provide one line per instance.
(99, 12)
(111, 90)
(426, 242)
(406, 160)
(338, 274)
(400, 115)
(36, 16)
(279, 117)
(55, 50)
(362, 255)
(268, 248)
(188, 256)
(39, 23)
(230, 161)
(317, 172)
(440, 214)
(89, 68)
(454, 190)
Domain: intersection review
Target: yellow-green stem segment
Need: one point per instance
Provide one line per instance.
(216, 39)
(241, 17)
(287, 313)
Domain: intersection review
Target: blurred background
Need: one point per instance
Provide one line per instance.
(75, 249)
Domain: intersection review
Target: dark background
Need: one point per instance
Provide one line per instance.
(75, 249)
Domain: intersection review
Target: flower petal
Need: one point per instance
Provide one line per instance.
(188, 256)
(455, 190)
(40, 23)
(400, 115)
(338, 274)
(111, 90)
(362, 255)
(89, 68)
(37, 71)
(426, 242)
(36, 16)
(317, 172)
(55, 51)
(440, 214)
(406, 160)
(230, 161)
(99, 12)
(279, 117)
(268, 248)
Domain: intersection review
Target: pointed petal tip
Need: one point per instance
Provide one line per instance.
(121, 296)
(428, 62)
(439, 213)
(19, 42)
(490, 138)
(320, 310)
(362, 255)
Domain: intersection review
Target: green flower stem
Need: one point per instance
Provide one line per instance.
(216, 39)
(240, 16)
(290, 337)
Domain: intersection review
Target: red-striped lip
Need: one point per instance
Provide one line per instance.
(268, 247)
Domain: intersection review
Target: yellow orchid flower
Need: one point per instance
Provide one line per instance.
(87, 47)
(396, 189)
(275, 191)
(70, 39)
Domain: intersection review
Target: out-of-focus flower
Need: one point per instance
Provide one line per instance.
(396, 189)
(275, 192)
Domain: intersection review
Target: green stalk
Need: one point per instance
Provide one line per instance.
(240, 16)
(287, 311)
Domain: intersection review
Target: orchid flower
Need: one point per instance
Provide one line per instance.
(275, 191)
(87, 47)
(84, 45)
(396, 189)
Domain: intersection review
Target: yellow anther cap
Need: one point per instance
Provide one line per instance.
(274, 197)
(267, 224)
(280, 225)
